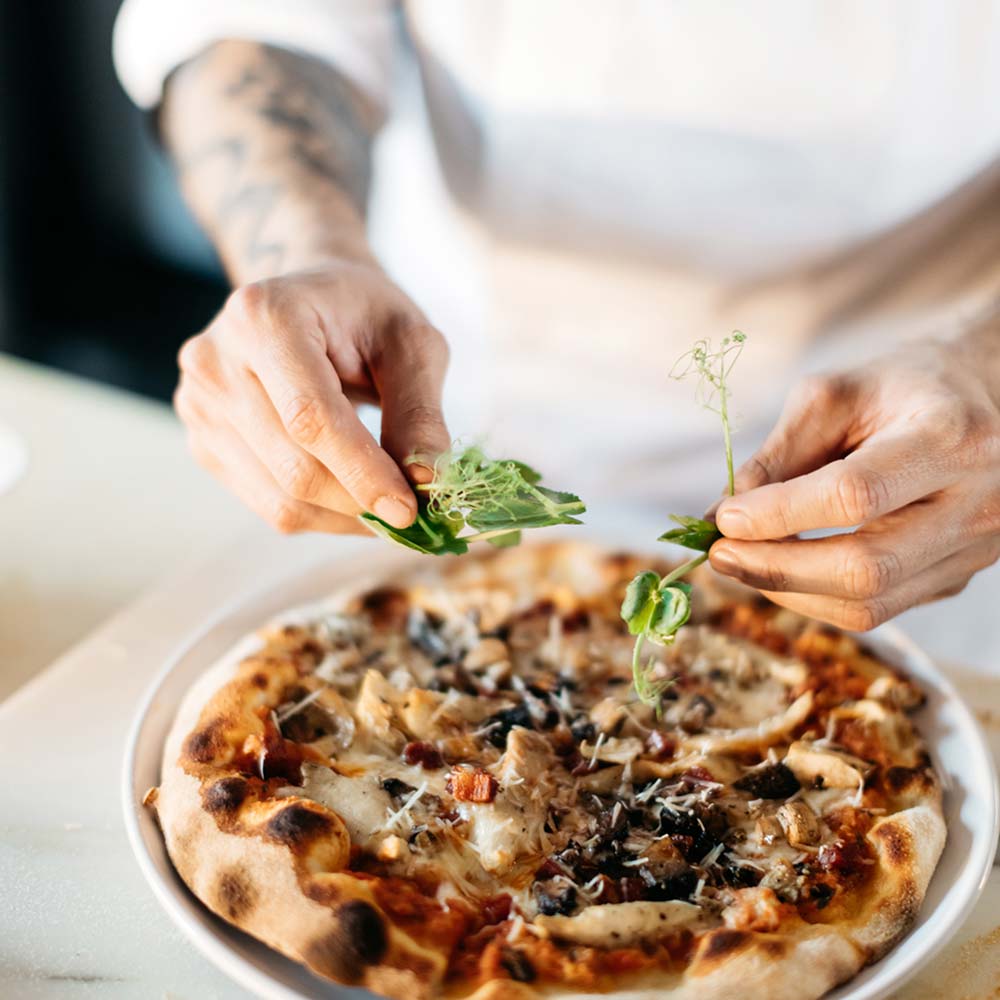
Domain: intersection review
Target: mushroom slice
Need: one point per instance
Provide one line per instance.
(823, 768)
(800, 823)
(768, 829)
(620, 924)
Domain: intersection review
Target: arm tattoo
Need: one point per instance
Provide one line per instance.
(302, 112)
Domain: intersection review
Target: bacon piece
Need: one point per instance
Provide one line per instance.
(472, 785)
(423, 753)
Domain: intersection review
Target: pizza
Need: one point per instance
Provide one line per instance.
(443, 785)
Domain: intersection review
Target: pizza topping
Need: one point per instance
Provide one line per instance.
(486, 653)
(471, 785)
(769, 829)
(770, 781)
(822, 767)
(843, 856)
(620, 923)
(800, 823)
(556, 895)
(782, 879)
(424, 754)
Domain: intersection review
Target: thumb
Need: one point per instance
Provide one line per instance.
(811, 431)
(410, 378)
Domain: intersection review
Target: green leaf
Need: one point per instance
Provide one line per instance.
(640, 601)
(693, 533)
(528, 474)
(533, 507)
(506, 540)
(433, 538)
(671, 611)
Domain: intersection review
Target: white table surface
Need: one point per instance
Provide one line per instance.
(110, 504)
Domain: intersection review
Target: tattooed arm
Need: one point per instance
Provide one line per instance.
(273, 151)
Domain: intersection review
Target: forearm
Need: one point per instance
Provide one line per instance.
(273, 151)
(979, 345)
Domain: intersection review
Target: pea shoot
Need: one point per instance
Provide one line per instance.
(655, 608)
(497, 499)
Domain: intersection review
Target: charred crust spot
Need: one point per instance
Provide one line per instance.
(363, 925)
(225, 795)
(203, 744)
(899, 778)
(297, 824)
(259, 680)
(895, 843)
(722, 943)
(235, 895)
(357, 939)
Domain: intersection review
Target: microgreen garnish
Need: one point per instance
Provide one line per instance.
(655, 608)
(495, 498)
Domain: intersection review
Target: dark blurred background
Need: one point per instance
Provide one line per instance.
(102, 270)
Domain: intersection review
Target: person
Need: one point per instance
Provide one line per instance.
(574, 191)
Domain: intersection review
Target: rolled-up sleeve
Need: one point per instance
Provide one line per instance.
(153, 37)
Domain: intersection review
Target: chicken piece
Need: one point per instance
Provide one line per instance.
(800, 823)
(608, 714)
(664, 860)
(430, 715)
(376, 713)
(823, 768)
(527, 758)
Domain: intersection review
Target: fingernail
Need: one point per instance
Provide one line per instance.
(420, 473)
(733, 521)
(393, 511)
(724, 560)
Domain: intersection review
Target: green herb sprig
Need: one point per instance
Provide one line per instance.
(655, 608)
(497, 499)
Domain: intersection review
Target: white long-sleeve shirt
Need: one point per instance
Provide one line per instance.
(575, 190)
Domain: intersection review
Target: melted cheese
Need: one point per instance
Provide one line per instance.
(620, 924)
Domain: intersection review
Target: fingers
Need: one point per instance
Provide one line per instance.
(409, 375)
(288, 355)
(945, 578)
(223, 453)
(863, 564)
(298, 474)
(884, 474)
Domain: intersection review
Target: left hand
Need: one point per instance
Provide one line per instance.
(908, 450)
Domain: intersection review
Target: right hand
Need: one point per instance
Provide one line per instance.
(267, 394)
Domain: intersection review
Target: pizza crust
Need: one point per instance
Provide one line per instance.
(259, 890)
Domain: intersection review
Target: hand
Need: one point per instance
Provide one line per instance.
(909, 450)
(267, 393)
